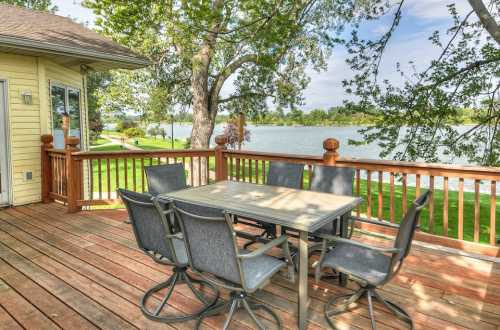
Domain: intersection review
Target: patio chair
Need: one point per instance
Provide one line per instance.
(333, 180)
(165, 178)
(154, 236)
(369, 266)
(281, 174)
(213, 252)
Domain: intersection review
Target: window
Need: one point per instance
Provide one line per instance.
(65, 102)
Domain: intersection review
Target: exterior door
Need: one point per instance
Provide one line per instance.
(4, 157)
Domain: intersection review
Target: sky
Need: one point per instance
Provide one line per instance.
(410, 43)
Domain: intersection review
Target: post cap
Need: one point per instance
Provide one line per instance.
(47, 139)
(72, 141)
(221, 140)
(331, 144)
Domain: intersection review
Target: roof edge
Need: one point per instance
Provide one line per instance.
(70, 50)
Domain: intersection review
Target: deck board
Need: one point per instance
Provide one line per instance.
(84, 271)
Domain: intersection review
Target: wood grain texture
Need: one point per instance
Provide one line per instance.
(84, 271)
(297, 209)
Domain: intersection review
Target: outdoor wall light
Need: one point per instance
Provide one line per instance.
(27, 97)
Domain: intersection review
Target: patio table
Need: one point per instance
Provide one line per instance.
(301, 210)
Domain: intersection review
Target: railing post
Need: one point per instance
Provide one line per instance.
(46, 167)
(73, 175)
(331, 147)
(220, 162)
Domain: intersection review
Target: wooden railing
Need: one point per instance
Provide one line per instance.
(85, 178)
(464, 203)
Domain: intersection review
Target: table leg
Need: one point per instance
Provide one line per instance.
(344, 231)
(303, 278)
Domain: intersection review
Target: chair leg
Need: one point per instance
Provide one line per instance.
(179, 277)
(397, 310)
(348, 299)
(345, 301)
(370, 309)
(238, 300)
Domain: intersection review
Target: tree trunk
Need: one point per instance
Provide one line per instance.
(203, 118)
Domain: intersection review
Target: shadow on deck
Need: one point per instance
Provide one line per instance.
(83, 271)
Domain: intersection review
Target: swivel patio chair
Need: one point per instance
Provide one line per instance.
(165, 178)
(369, 266)
(213, 252)
(333, 180)
(281, 174)
(154, 236)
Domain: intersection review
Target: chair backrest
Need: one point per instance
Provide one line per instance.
(165, 178)
(332, 179)
(149, 225)
(210, 240)
(408, 226)
(285, 174)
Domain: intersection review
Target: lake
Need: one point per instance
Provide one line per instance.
(303, 140)
(308, 140)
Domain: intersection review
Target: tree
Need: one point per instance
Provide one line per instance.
(125, 123)
(154, 131)
(44, 5)
(417, 120)
(134, 132)
(163, 132)
(263, 47)
(97, 82)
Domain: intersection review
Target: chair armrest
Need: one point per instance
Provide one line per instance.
(264, 248)
(332, 238)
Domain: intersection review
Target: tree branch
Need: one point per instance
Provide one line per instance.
(242, 96)
(486, 19)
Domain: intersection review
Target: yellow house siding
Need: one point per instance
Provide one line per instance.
(21, 73)
(28, 122)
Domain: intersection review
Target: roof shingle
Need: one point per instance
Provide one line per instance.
(53, 30)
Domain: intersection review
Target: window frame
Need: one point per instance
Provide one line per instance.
(67, 88)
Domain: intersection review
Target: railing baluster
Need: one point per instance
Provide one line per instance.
(431, 205)
(191, 174)
(243, 176)
(380, 195)
(134, 174)
(117, 173)
(477, 209)
(142, 175)
(231, 168)
(125, 168)
(108, 178)
(369, 194)
(391, 197)
(417, 185)
(257, 171)
(309, 175)
(445, 206)
(263, 172)
(358, 190)
(250, 174)
(461, 208)
(405, 193)
(99, 177)
(238, 169)
(207, 159)
(199, 171)
(493, 205)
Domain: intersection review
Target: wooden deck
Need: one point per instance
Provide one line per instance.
(83, 271)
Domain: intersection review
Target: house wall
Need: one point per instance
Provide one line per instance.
(28, 122)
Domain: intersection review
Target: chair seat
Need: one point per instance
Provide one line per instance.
(259, 269)
(363, 263)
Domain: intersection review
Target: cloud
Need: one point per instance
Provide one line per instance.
(435, 9)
